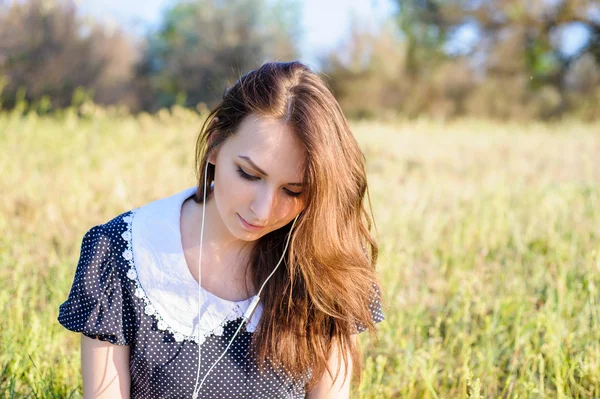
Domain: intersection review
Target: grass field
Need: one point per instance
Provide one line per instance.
(490, 247)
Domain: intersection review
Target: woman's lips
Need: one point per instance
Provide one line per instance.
(249, 226)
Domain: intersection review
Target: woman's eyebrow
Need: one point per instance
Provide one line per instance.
(255, 166)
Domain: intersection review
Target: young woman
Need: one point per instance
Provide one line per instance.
(255, 282)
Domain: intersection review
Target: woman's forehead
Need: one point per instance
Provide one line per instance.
(270, 144)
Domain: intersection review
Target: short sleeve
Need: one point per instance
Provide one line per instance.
(375, 307)
(95, 305)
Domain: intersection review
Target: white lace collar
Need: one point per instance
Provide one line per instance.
(163, 280)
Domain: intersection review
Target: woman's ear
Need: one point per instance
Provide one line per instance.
(213, 121)
(212, 158)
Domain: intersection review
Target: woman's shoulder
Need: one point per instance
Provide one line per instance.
(110, 227)
(112, 232)
(98, 302)
(159, 209)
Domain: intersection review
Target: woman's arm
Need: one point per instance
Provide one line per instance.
(338, 389)
(105, 369)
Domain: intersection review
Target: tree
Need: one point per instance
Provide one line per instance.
(47, 50)
(517, 48)
(201, 46)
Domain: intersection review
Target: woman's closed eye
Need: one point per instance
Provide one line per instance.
(247, 176)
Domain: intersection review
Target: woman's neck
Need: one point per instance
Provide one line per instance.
(225, 258)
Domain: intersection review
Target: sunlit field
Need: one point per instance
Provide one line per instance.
(489, 233)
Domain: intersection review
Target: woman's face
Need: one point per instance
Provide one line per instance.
(258, 178)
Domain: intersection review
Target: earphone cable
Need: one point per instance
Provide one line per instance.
(247, 314)
(250, 309)
(196, 392)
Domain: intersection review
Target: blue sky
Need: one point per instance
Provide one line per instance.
(325, 22)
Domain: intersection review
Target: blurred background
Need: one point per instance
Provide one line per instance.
(534, 59)
(479, 121)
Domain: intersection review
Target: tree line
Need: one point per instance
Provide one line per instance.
(516, 66)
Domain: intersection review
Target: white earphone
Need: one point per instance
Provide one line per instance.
(251, 307)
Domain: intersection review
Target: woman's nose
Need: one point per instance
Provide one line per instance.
(263, 204)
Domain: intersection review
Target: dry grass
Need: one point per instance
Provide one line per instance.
(490, 254)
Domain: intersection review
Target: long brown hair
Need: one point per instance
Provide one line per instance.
(316, 301)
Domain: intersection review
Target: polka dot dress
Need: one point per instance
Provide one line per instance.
(132, 287)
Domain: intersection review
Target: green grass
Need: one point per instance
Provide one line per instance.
(490, 247)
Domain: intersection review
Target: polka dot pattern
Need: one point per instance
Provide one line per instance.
(98, 304)
(375, 308)
(102, 304)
